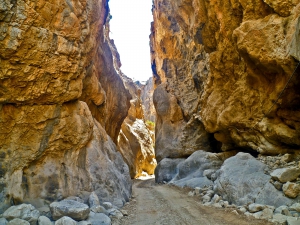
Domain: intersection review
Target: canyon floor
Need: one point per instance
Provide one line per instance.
(165, 204)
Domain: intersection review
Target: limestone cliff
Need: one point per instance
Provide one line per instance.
(61, 103)
(225, 68)
(135, 139)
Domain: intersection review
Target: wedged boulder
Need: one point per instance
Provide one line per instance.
(241, 180)
(285, 174)
(65, 221)
(167, 169)
(75, 210)
(24, 211)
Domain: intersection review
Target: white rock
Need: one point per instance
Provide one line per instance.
(24, 211)
(3, 221)
(197, 190)
(279, 219)
(43, 220)
(295, 207)
(293, 220)
(18, 221)
(255, 207)
(65, 221)
(107, 205)
(243, 209)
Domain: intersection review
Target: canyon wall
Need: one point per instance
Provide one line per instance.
(135, 140)
(224, 76)
(62, 104)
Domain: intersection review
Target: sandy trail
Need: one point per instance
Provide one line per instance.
(165, 204)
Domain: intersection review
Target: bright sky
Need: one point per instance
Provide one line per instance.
(130, 29)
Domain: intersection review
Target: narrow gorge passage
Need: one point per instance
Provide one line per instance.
(165, 204)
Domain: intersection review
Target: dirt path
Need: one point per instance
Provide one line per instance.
(164, 204)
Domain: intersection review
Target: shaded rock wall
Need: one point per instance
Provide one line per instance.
(147, 100)
(135, 140)
(61, 103)
(219, 68)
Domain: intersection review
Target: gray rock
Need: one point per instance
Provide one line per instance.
(206, 198)
(208, 173)
(166, 169)
(243, 209)
(99, 219)
(278, 185)
(265, 214)
(24, 211)
(295, 207)
(279, 219)
(291, 190)
(99, 209)
(93, 200)
(191, 171)
(43, 220)
(241, 180)
(293, 220)
(75, 210)
(255, 207)
(84, 223)
(216, 198)
(107, 205)
(285, 174)
(65, 221)
(75, 198)
(281, 209)
(18, 221)
(3, 221)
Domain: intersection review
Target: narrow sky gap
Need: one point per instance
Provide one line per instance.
(130, 29)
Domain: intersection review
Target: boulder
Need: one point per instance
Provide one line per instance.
(70, 208)
(291, 190)
(295, 207)
(24, 211)
(65, 221)
(293, 220)
(3, 221)
(279, 219)
(166, 170)
(43, 220)
(93, 200)
(18, 221)
(107, 205)
(99, 219)
(255, 207)
(241, 180)
(285, 174)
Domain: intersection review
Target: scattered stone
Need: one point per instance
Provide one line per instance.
(286, 158)
(24, 211)
(243, 209)
(295, 207)
(216, 198)
(107, 205)
(208, 173)
(279, 210)
(93, 200)
(75, 210)
(99, 209)
(226, 204)
(285, 174)
(293, 220)
(291, 190)
(197, 190)
(255, 207)
(65, 221)
(99, 219)
(84, 223)
(191, 193)
(3, 221)
(279, 219)
(115, 213)
(278, 185)
(124, 212)
(43, 220)
(265, 214)
(18, 221)
(206, 198)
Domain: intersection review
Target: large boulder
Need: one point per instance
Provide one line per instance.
(18, 221)
(24, 211)
(242, 180)
(167, 169)
(73, 209)
(65, 221)
(99, 219)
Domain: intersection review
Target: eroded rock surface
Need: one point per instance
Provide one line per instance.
(135, 140)
(62, 104)
(221, 67)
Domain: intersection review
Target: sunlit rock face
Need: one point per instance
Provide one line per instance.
(135, 140)
(61, 103)
(220, 66)
(147, 100)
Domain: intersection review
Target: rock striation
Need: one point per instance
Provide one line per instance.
(62, 104)
(225, 69)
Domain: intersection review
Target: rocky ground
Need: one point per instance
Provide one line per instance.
(167, 204)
